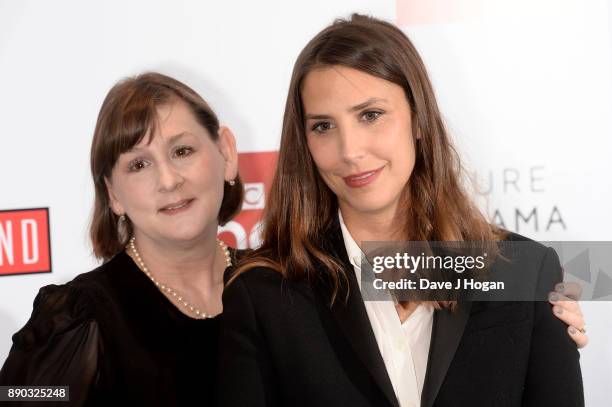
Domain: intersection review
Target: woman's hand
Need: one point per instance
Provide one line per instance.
(566, 307)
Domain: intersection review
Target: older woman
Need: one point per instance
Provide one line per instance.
(142, 328)
(364, 156)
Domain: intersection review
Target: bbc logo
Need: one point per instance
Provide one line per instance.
(254, 196)
(256, 170)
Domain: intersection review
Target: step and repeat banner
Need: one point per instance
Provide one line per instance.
(525, 87)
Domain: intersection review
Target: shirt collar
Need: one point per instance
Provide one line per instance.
(352, 249)
(355, 254)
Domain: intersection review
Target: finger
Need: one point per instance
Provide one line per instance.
(565, 302)
(571, 290)
(570, 318)
(580, 338)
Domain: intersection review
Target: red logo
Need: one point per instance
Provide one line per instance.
(256, 171)
(25, 244)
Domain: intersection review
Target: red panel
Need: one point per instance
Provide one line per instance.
(25, 241)
(256, 172)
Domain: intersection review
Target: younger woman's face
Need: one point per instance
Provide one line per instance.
(359, 133)
(171, 188)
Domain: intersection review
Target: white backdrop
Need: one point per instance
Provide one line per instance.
(525, 86)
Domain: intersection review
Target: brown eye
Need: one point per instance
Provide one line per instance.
(137, 165)
(322, 127)
(370, 115)
(183, 151)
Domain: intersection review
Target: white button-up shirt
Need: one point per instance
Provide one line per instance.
(404, 346)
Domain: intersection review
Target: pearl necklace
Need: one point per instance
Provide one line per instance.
(170, 291)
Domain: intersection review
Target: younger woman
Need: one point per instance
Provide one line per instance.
(364, 156)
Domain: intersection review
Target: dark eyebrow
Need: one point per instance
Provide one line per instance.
(367, 103)
(355, 108)
(317, 117)
(171, 140)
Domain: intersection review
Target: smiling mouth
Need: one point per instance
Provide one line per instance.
(176, 207)
(362, 179)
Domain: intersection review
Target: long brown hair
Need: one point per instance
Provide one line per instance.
(128, 113)
(301, 208)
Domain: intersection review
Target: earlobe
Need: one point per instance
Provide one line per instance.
(114, 202)
(227, 147)
(418, 133)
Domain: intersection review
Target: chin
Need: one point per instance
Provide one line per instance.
(180, 237)
(371, 206)
(185, 233)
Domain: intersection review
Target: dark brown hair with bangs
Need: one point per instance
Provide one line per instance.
(301, 209)
(128, 113)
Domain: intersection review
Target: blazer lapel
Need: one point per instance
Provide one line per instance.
(352, 318)
(446, 333)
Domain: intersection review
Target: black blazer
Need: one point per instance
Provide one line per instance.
(283, 345)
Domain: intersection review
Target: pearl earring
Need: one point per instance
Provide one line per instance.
(231, 182)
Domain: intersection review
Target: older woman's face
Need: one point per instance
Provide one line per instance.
(171, 189)
(358, 129)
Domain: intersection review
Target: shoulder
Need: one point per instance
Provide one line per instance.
(59, 308)
(518, 238)
(248, 294)
(238, 254)
(102, 274)
(530, 266)
(74, 298)
(252, 276)
(266, 289)
(515, 237)
(256, 278)
(516, 245)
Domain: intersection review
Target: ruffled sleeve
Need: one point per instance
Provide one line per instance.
(59, 346)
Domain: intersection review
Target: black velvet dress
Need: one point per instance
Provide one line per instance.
(115, 339)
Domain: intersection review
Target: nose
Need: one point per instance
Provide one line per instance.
(352, 143)
(169, 178)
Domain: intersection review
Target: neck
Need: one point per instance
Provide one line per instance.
(190, 266)
(376, 226)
